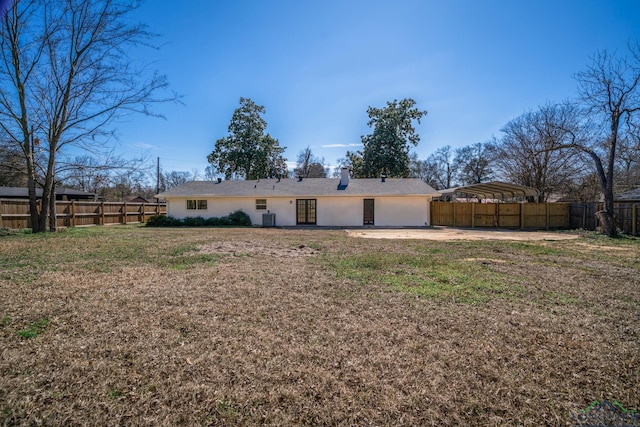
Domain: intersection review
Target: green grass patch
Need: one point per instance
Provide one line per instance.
(34, 329)
(536, 248)
(101, 250)
(184, 262)
(184, 249)
(115, 393)
(226, 409)
(427, 277)
(563, 299)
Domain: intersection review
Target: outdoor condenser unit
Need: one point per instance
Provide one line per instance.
(269, 220)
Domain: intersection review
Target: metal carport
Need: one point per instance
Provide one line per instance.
(494, 190)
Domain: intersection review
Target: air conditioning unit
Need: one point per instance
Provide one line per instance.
(269, 220)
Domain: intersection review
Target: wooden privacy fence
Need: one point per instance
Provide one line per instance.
(15, 213)
(532, 215)
(583, 215)
(500, 215)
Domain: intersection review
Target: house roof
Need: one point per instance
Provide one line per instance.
(492, 190)
(137, 199)
(23, 192)
(304, 187)
(629, 196)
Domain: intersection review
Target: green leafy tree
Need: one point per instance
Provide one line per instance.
(355, 163)
(386, 150)
(248, 152)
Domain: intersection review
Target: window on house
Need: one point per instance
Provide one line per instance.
(261, 204)
(196, 204)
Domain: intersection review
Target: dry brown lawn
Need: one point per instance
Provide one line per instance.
(129, 325)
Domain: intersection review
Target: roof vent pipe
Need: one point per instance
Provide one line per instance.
(383, 177)
(344, 177)
(219, 180)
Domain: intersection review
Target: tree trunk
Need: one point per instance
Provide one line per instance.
(33, 204)
(44, 208)
(607, 223)
(53, 220)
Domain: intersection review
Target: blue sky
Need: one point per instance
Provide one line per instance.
(317, 66)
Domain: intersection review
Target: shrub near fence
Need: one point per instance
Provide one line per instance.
(15, 213)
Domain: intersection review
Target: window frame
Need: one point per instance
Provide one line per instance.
(196, 204)
(306, 211)
(261, 206)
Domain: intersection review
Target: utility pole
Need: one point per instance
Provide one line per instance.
(158, 178)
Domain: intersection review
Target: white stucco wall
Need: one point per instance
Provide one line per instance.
(331, 211)
(402, 211)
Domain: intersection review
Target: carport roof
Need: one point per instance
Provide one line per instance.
(492, 190)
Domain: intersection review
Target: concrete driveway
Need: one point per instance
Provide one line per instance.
(445, 233)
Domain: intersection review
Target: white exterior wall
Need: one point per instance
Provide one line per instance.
(409, 211)
(402, 211)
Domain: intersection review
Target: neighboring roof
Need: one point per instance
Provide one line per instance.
(17, 192)
(305, 187)
(137, 199)
(492, 190)
(23, 192)
(629, 196)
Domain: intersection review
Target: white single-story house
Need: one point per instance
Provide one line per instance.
(341, 202)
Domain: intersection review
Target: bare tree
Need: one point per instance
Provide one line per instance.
(524, 155)
(473, 163)
(610, 93)
(65, 77)
(13, 172)
(310, 166)
(170, 179)
(93, 173)
(439, 168)
(628, 163)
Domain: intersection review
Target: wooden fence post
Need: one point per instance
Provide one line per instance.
(124, 213)
(473, 215)
(547, 214)
(634, 218)
(454, 214)
(1, 222)
(72, 221)
(431, 213)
